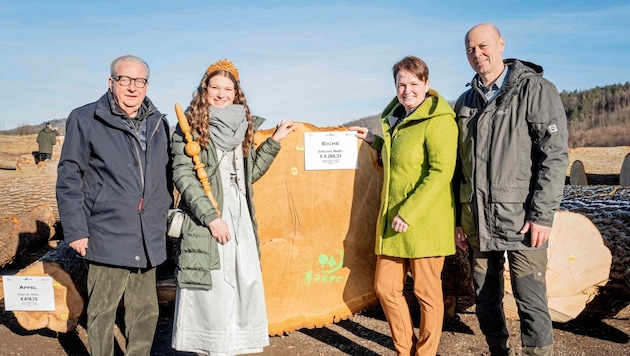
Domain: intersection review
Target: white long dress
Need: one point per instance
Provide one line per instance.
(231, 318)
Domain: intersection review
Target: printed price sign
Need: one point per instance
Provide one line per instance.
(330, 150)
(28, 293)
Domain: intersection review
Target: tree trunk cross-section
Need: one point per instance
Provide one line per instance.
(23, 230)
(573, 272)
(69, 275)
(316, 231)
(624, 177)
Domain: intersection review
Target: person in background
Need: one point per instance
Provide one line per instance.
(220, 301)
(46, 139)
(113, 191)
(514, 154)
(415, 229)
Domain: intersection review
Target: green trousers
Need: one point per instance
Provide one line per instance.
(528, 275)
(107, 285)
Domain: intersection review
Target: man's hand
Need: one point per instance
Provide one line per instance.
(80, 245)
(461, 239)
(539, 234)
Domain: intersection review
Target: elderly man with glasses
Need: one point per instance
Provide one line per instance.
(113, 193)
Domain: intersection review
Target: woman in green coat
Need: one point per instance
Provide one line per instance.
(220, 302)
(416, 225)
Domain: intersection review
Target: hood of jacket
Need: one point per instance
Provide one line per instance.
(519, 70)
(434, 105)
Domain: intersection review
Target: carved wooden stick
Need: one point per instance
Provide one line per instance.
(193, 149)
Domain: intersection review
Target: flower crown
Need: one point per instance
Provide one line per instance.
(223, 64)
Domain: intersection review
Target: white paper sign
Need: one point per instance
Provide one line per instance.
(28, 293)
(330, 150)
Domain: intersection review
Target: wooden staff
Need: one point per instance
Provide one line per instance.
(193, 149)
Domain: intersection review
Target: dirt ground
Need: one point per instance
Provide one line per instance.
(366, 333)
(363, 334)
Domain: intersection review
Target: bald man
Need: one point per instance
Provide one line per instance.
(513, 158)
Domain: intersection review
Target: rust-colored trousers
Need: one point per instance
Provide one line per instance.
(389, 281)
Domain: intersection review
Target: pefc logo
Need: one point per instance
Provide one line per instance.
(326, 267)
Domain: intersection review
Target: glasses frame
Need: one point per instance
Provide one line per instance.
(142, 81)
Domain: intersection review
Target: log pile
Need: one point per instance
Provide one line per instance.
(578, 174)
(608, 207)
(18, 233)
(69, 275)
(573, 272)
(317, 242)
(624, 177)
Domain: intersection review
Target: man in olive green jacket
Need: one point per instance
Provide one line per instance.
(46, 139)
(514, 154)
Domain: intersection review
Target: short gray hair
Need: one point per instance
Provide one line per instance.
(127, 57)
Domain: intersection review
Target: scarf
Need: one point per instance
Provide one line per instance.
(227, 126)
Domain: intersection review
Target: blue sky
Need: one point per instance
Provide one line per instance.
(322, 62)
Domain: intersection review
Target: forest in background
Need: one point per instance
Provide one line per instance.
(598, 117)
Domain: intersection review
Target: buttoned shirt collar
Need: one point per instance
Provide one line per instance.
(492, 91)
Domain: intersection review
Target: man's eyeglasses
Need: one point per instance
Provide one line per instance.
(126, 81)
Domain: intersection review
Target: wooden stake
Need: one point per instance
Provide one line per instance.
(193, 149)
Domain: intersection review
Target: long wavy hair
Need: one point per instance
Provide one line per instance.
(198, 112)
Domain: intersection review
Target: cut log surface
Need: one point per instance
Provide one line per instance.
(24, 191)
(573, 270)
(624, 177)
(18, 233)
(578, 174)
(316, 231)
(69, 274)
(608, 208)
(589, 250)
(8, 165)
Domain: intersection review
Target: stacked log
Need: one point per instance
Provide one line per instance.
(22, 192)
(322, 221)
(573, 271)
(8, 165)
(18, 233)
(608, 207)
(578, 174)
(69, 275)
(624, 177)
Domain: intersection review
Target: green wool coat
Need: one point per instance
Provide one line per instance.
(419, 157)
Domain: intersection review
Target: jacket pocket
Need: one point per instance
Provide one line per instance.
(537, 128)
(509, 210)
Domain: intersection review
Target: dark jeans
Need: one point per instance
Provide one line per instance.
(107, 285)
(44, 156)
(527, 273)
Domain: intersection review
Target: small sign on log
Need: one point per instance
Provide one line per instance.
(28, 293)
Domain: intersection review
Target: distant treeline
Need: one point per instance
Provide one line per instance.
(598, 117)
